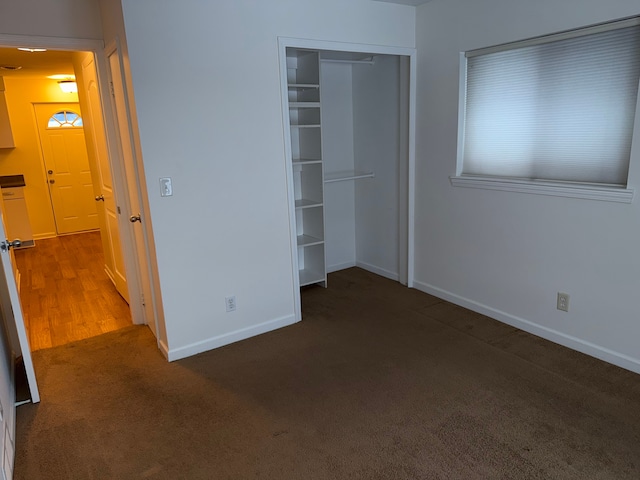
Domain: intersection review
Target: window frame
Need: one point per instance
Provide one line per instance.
(560, 188)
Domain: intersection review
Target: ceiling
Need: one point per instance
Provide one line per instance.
(36, 64)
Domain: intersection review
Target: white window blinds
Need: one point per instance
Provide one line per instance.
(558, 109)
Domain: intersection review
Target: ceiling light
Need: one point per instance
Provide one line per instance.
(10, 67)
(68, 86)
(62, 76)
(32, 50)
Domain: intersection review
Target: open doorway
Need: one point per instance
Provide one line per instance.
(73, 283)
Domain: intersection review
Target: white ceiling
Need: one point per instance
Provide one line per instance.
(36, 64)
(414, 3)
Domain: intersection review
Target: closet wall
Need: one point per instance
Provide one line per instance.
(362, 132)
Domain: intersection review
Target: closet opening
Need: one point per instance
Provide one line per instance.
(349, 142)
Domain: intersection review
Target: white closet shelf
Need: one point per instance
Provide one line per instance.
(305, 126)
(309, 277)
(304, 104)
(307, 241)
(306, 203)
(347, 175)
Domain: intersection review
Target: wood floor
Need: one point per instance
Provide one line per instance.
(66, 294)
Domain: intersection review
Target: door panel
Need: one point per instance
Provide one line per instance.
(12, 313)
(65, 156)
(103, 184)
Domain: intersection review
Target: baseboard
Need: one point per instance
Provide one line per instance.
(164, 349)
(569, 341)
(340, 266)
(378, 271)
(227, 338)
(44, 236)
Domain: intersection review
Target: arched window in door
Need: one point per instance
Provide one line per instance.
(65, 118)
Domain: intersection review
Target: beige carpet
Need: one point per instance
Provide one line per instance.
(377, 382)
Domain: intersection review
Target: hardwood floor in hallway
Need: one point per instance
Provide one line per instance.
(65, 293)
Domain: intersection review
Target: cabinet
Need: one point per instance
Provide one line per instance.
(305, 123)
(6, 136)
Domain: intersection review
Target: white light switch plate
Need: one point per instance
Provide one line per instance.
(166, 189)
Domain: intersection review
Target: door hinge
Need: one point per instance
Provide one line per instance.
(113, 93)
(142, 298)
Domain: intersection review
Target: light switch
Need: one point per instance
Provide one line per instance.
(166, 189)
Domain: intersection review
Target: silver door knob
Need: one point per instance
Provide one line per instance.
(52, 181)
(7, 245)
(50, 172)
(135, 218)
(100, 198)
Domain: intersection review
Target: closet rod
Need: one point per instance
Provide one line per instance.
(357, 176)
(371, 61)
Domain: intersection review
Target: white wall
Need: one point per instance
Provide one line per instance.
(376, 97)
(62, 18)
(337, 156)
(226, 230)
(508, 254)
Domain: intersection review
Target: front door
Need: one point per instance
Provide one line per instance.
(65, 157)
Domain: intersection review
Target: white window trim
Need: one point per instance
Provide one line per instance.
(538, 187)
(556, 189)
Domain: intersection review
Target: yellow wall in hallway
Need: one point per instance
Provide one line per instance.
(26, 157)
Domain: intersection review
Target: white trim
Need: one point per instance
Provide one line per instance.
(569, 341)
(44, 236)
(163, 348)
(340, 266)
(462, 113)
(378, 271)
(53, 43)
(227, 338)
(584, 191)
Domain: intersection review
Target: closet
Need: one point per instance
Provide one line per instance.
(348, 140)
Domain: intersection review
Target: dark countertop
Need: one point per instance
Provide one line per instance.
(8, 181)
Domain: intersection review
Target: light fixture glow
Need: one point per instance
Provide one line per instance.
(62, 76)
(32, 50)
(68, 86)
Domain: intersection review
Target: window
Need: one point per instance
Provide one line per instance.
(65, 118)
(559, 108)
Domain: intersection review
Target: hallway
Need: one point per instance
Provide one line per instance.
(66, 294)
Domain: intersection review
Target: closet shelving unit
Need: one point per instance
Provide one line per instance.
(305, 121)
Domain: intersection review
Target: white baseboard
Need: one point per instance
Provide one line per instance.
(378, 271)
(44, 236)
(340, 266)
(164, 349)
(227, 338)
(569, 341)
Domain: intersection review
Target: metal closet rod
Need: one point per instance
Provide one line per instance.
(371, 61)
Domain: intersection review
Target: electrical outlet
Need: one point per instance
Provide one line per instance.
(231, 303)
(563, 301)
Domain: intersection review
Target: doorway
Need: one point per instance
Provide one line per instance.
(122, 190)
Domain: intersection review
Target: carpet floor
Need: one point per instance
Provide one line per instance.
(377, 382)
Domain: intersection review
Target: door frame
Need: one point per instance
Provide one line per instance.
(408, 192)
(116, 163)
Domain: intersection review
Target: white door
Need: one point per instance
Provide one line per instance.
(102, 180)
(124, 125)
(65, 157)
(12, 311)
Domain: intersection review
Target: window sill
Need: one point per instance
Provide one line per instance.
(589, 192)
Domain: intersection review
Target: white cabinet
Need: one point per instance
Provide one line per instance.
(6, 135)
(305, 123)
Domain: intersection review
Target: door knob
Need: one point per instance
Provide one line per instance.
(50, 172)
(52, 181)
(100, 198)
(135, 218)
(7, 245)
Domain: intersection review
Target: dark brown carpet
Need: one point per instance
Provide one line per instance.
(377, 382)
